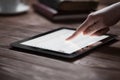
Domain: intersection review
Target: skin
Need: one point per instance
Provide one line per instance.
(98, 22)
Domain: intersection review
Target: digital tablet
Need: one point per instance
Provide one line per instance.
(54, 43)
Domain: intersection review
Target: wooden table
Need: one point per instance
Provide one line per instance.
(101, 64)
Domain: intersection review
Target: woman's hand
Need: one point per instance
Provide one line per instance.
(98, 22)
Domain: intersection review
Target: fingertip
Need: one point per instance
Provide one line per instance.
(77, 32)
(72, 36)
(69, 38)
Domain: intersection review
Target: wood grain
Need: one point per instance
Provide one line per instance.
(101, 64)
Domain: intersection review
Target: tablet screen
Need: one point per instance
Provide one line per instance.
(56, 41)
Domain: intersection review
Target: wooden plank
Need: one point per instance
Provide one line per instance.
(96, 60)
(101, 64)
(26, 66)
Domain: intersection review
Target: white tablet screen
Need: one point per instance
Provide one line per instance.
(56, 41)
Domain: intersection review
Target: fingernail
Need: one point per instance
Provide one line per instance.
(68, 38)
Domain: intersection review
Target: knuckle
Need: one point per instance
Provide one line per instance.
(91, 15)
(95, 16)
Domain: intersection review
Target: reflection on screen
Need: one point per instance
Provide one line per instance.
(56, 41)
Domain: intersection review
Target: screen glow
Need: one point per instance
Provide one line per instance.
(56, 41)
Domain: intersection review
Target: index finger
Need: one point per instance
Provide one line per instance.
(80, 29)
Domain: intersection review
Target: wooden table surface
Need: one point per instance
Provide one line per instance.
(101, 64)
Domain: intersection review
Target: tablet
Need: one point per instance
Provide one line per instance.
(54, 43)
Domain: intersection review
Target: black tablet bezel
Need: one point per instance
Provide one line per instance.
(17, 45)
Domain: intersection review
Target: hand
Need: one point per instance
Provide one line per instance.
(98, 22)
